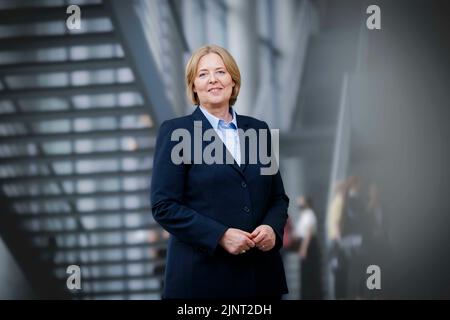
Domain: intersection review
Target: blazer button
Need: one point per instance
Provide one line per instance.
(243, 184)
(246, 209)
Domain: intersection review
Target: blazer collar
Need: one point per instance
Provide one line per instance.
(242, 123)
(214, 120)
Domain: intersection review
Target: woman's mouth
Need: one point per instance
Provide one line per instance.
(214, 90)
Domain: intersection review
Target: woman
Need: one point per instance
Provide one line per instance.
(309, 252)
(226, 219)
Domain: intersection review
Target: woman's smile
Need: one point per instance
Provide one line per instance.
(215, 91)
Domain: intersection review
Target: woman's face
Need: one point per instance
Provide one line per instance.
(301, 203)
(213, 84)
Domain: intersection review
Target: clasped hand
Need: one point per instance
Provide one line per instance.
(236, 241)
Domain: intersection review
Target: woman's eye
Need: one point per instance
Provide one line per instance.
(221, 72)
(201, 75)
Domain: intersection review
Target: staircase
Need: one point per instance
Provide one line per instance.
(77, 135)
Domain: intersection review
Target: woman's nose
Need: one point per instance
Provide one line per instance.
(212, 78)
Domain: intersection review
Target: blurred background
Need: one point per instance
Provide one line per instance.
(363, 118)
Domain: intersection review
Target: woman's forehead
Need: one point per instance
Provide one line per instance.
(210, 60)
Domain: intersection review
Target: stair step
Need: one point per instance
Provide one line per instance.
(46, 14)
(42, 198)
(93, 231)
(64, 136)
(31, 93)
(98, 263)
(121, 293)
(83, 176)
(73, 114)
(44, 42)
(99, 212)
(146, 276)
(78, 248)
(62, 66)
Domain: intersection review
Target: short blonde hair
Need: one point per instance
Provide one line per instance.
(228, 61)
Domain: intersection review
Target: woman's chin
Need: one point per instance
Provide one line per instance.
(218, 102)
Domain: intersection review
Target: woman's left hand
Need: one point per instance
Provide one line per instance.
(264, 237)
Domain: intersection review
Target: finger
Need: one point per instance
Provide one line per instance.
(256, 232)
(250, 243)
(268, 244)
(260, 237)
(247, 235)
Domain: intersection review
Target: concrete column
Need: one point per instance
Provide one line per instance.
(192, 24)
(284, 18)
(243, 44)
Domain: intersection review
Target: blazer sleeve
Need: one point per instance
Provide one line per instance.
(167, 187)
(276, 215)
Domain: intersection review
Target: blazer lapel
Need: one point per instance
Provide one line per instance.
(198, 115)
(244, 125)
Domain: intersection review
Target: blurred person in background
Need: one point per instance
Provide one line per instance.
(309, 251)
(345, 225)
(376, 220)
(352, 237)
(337, 261)
(375, 244)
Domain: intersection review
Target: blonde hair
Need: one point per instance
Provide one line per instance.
(228, 61)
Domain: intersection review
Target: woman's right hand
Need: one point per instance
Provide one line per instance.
(236, 241)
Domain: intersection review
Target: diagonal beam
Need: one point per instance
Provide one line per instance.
(18, 242)
(130, 30)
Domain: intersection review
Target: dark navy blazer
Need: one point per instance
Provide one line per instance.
(196, 203)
